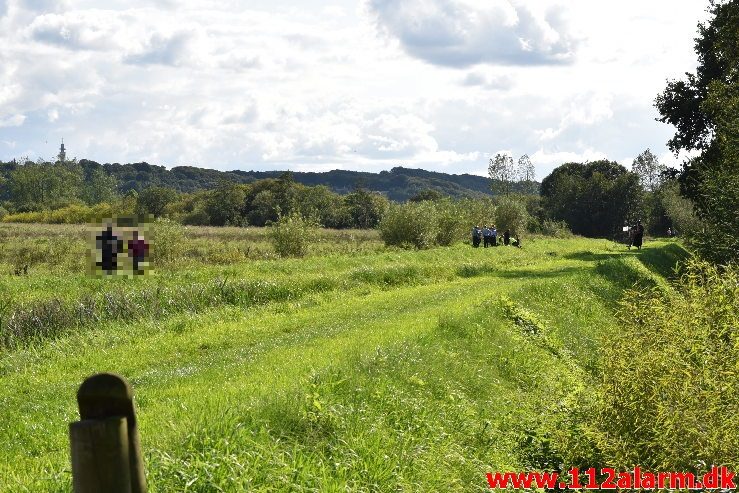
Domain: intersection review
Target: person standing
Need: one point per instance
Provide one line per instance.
(486, 236)
(507, 237)
(494, 236)
(638, 235)
(137, 250)
(110, 246)
(476, 235)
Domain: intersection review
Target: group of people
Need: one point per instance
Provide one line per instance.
(488, 236)
(111, 244)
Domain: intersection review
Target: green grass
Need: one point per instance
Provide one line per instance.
(382, 370)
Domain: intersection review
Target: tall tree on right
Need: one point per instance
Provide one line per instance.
(704, 108)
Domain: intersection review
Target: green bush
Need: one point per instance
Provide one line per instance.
(511, 214)
(424, 224)
(70, 214)
(291, 235)
(101, 211)
(413, 224)
(558, 229)
(477, 212)
(197, 217)
(26, 217)
(452, 221)
(166, 240)
(669, 398)
(680, 211)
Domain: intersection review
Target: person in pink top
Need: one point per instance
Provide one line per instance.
(138, 249)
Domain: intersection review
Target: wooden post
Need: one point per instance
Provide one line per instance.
(106, 437)
(100, 459)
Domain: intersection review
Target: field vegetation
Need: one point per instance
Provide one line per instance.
(358, 367)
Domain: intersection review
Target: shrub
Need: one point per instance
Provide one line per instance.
(413, 224)
(558, 229)
(680, 210)
(167, 240)
(72, 214)
(477, 212)
(26, 217)
(427, 223)
(291, 235)
(101, 211)
(670, 392)
(452, 222)
(197, 217)
(511, 214)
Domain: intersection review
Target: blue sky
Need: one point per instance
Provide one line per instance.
(318, 85)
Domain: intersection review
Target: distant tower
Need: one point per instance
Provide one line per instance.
(62, 155)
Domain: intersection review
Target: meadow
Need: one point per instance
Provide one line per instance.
(356, 368)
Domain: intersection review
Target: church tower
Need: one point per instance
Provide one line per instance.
(62, 154)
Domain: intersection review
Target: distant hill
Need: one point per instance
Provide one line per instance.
(398, 184)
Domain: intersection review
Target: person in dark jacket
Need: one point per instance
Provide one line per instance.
(486, 235)
(638, 235)
(476, 236)
(507, 237)
(110, 246)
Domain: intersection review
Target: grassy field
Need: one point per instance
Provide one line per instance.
(355, 369)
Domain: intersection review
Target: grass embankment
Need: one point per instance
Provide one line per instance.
(412, 371)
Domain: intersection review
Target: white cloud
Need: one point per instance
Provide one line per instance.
(460, 33)
(483, 80)
(12, 120)
(441, 84)
(89, 30)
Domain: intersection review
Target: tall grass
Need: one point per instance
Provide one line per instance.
(669, 397)
(392, 370)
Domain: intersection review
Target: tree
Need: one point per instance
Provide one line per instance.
(42, 185)
(679, 210)
(365, 208)
(502, 173)
(99, 187)
(321, 203)
(263, 208)
(703, 109)
(427, 194)
(594, 199)
(649, 169)
(681, 104)
(225, 205)
(153, 200)
(526, 174)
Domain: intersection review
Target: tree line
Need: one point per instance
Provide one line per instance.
(398, 184)
(67, 192)
(593, 199)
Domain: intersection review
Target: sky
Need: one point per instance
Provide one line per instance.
(316, 85)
